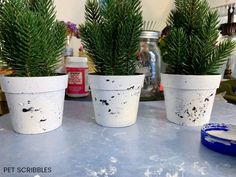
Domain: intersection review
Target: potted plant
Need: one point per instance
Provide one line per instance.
(111, 35)
(193, 57)
(32, 42)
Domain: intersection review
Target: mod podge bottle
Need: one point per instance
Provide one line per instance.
(77, 68)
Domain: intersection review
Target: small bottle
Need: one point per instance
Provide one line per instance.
(77, 68)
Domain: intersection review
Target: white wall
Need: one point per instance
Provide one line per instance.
(158, 10)
(70, 10)
(73, 10)
(216, 3)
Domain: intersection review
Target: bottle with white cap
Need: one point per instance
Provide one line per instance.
(77, 68)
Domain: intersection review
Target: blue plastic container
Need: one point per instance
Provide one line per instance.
(218, 143)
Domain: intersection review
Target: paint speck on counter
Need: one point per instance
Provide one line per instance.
(152, 173)
(103, 135)
(201, 167)
(103, 172)
(113, 160)
(120, 134)
(172, 175)
(92, 117)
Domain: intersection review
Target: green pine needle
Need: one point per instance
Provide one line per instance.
(191, 47)
(111, 35)
(32, 40)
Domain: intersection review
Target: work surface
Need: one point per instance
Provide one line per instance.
(152, 147)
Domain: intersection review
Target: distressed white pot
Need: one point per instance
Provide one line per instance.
(116, 99)
(189, 98)
(35, 103)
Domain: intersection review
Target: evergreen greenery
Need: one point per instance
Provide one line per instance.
(31, 39)
(111, 35)
(191, 46)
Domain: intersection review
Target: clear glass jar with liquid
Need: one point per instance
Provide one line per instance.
(149, 63)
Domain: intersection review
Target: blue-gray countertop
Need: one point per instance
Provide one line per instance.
(153, 147)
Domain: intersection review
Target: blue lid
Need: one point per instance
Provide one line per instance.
(219, 137)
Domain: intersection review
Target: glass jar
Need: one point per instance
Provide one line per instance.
(149, 63)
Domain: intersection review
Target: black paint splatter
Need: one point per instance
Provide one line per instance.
(186, 111)
(28, 101)
(130, 88)
(104, 102)
(206, 99)
(113, 97)
(107, 80)
(194, 109)
(27, 110)
(178, 114)
(109, 110)
(43, 120)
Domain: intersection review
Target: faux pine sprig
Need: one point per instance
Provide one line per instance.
(191, 46)
(32, 40)
(111, 35)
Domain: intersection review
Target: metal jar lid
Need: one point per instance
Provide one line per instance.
(150, 34)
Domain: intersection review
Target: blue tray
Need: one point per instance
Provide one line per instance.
(218, 141)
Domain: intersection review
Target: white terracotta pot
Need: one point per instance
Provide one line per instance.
(189, 98)
(116, 99)
(35, 103)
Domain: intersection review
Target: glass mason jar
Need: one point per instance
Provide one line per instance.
(149, 63)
